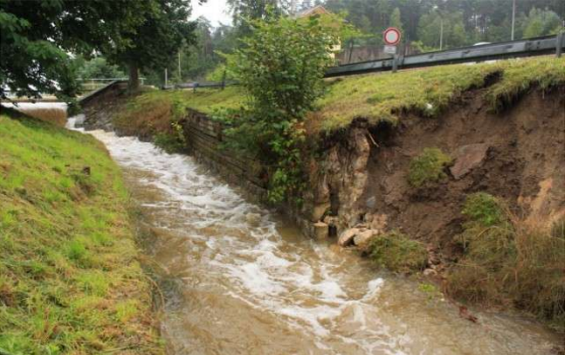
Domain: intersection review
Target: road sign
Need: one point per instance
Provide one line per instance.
(391, 36)
(390, 49)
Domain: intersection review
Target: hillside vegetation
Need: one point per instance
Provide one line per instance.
(70, 282)
(376, 97)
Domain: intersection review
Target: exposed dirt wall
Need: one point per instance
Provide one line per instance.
(517, 155)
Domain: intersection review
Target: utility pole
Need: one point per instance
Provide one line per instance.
(513, 18)
(180, 76)
(440, 33)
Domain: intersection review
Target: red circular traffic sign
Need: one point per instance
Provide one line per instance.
(391, 36)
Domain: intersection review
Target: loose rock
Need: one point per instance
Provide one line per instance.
(363, 239)
(346, 238)
(467, 158)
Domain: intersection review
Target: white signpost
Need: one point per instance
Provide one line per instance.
(391, 37)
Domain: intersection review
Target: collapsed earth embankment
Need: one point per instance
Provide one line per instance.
(454, 170)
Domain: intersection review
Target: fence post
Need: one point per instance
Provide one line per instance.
(559, 44)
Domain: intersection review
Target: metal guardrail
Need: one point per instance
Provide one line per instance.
(502, 50)
(196, 85)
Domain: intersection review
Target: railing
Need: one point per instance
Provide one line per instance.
(502, 50)
(97, 83)
(195, 85)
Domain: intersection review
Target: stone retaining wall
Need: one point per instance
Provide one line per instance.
(206, 143)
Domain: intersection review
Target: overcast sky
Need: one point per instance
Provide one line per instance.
(214, 10)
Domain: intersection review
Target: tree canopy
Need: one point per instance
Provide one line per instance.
(464, 21)
(157, 39)
(39, 39)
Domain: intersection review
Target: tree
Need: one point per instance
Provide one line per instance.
(99, 68)
(541, 22)
(305, 5)
(395, 20)
(38, 37)
(245, 10)
(157, 39)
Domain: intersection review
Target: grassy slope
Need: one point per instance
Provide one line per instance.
(383, 96)
(375, 97)
(152, 112)
(69, 279)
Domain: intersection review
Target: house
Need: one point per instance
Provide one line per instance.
(319, 10)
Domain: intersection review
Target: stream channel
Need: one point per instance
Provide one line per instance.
(248, 282)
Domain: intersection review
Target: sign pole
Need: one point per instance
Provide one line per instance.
(391, 37)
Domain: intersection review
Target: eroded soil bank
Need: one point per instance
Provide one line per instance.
(517, 155)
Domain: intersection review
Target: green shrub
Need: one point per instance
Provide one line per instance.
(483, 208)
(281, 67)
(397, 252)
(428, 167)
(171, 142)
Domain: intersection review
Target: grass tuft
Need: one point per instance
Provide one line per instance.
(428, 167)
(484, 209)
(510, 261)
(397, 252)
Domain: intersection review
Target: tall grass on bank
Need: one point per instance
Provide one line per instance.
(510, 261)
(57, 116)
(70, 282)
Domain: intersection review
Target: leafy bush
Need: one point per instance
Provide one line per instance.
(510, 261)
(281, 67)
(428, 167)
(397, 252)
(171, 142)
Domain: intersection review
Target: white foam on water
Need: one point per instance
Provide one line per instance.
(260, 272)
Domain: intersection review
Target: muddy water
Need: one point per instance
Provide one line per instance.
(243, 281)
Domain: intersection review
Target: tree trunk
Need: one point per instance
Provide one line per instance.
(133, 84)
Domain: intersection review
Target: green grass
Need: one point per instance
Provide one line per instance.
(155, 111)
(396, 252)
(483, 208)
(510, 261)
(428, 167)
(67, 251)
(383, 97)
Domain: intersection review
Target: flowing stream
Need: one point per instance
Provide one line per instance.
(244, 281)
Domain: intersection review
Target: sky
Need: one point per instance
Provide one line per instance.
(214, 10)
